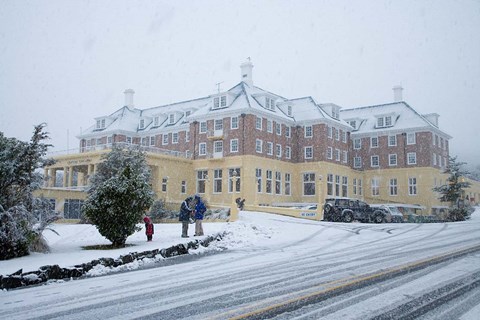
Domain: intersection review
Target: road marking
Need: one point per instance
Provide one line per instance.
(351, 282)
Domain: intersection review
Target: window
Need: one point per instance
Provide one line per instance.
(360, 187)
(393, 187)
(353, 123)
(164, 184)
(175, 137)
(258, 123)
(218, 147)
(357, 143)
(234, 123)
(72, 209)
(354, 185)
(309, 184)
(392, 141)
(142, 123)
(220, 102)
(129, 140)
(231, 173)
(187, 136)
(278, 182)
(258, 175)
(345, 156)
(392, 159)
(412, 186)
(329, 132)
(308, 131)
(269, 126)
(171, 118)
(258, 146)
(344, 136)
(411, 138)
(357, 162)
(344, 186)
(202, 176)
(308, 152)
(287, 184)
(412, 158)
(101, 124)
(270, 148)
(203, 127)
(330, 184)
(234, 145)
(337, 154)
(337, 185)
(268, 188)
(183, 187)
(383, 122)
(156, 121)
(217, 180)
(288, 152)
(337, 134)
(152, 141)
(375, 187)
(269, 103)
(329, 153)
(278, 129)
(110, 139)
(434, 159)
(374, 161)
(278, 150)
(288, 132)
(202, 148)
(374, 142)
(289, 111)
(218, 124)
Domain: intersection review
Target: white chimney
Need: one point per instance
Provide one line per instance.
(397, 94)
(246, 70)
(129, 98)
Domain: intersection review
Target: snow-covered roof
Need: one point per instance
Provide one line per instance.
(397, 116)
(241, 98)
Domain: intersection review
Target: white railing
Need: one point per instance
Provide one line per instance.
(150, 149)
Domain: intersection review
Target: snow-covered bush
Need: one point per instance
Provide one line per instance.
(120, 195)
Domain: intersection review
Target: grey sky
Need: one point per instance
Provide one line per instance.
(66, 62)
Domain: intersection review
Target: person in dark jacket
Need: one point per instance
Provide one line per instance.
(200, 209)
(148, 228)
(186, 210)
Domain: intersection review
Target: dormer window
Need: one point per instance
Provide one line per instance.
(270, 103)
(289, 111)
(187, 113)
(384, 121)
(142, 123)
(100, 124)
(156, 121)
(335, 112)
(220, 102)
(353, 123)
(171, 118)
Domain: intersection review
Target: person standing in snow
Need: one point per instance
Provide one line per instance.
(186, 210)
(148, 228)
(199, 211)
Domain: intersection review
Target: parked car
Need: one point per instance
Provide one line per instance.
(347, 210)
(392, 212)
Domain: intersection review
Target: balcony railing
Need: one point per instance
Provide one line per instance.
(149, 149)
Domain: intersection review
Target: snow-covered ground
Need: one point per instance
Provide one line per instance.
(264, 259)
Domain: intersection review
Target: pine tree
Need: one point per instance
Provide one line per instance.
(453, 190)
(119, 195)
(19, 210)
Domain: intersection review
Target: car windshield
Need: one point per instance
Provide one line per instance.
(394, 209)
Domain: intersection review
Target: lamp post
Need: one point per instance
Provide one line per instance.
(319, 200)
(233, 207)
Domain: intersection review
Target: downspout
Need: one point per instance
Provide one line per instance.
(195, 123)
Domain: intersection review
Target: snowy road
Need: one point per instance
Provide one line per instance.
(320, 270)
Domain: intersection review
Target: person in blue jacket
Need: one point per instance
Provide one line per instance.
(186, 210)
(200, 209)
